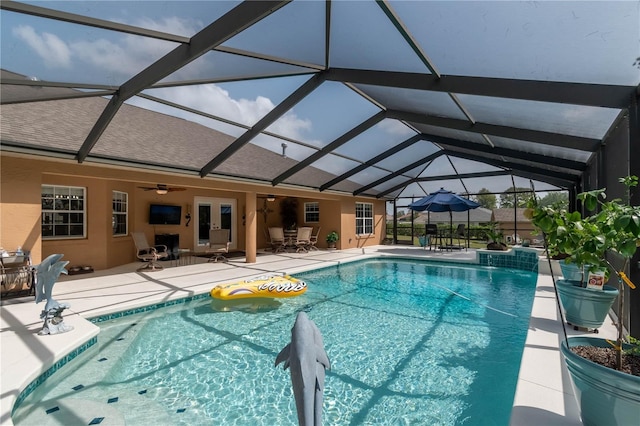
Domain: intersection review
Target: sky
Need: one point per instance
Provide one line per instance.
(589, 42)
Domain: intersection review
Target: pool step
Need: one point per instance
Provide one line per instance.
(71, 411)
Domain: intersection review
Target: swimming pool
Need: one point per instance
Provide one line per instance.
(409, 342)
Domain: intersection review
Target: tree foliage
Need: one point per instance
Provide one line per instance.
(554, 198)
(508, 197)
(486, 199)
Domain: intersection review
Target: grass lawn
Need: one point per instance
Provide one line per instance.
(405, 239)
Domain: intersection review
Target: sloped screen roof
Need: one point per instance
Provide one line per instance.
(381, 98)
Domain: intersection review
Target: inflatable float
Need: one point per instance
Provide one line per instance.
(263, 286)
(252, 305)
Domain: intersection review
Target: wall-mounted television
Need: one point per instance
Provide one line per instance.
(162, 214)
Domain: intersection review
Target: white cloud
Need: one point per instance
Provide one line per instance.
(292, 126)
(54, 52)
(124, 55)
(396, 127)
(171, 25)
(130, 54)
(214, 100)
(106, 55)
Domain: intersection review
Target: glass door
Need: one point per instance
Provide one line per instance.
(214, 213)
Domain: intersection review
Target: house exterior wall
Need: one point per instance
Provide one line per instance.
(348, 237)
(22, 177)
(525, 230)
(20, 185)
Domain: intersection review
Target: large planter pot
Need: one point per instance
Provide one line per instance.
(571, 271)
(497, 246)
(585, 307)
(605, 396)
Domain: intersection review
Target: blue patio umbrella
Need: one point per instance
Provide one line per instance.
(444, 201)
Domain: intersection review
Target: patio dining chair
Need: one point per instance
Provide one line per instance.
(218, 245)
(314, 240)
(278, 242)
(303, 239)
(461, 236)
(431, 235)
(148, 253)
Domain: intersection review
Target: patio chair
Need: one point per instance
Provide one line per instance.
(148, 253)
(460, 234)
(431, 235)
(303, 239)
(278, 242)
(314, 240)
(218, 245)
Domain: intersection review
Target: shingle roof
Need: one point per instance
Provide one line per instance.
(139, 135)
(506, 215)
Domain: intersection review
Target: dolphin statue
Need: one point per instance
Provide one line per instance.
(47, 272)
(307, 359)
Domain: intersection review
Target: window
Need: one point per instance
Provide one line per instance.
(63, 212)
(119, 219)
(311, 212)
(364, 218)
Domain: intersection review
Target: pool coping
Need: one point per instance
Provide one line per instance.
(32, 356)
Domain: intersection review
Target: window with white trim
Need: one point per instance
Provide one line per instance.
(119, 220)
(311, 212)
(364, 218)
(63, 212)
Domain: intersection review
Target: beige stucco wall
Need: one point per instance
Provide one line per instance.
(21, 178)
(20, 184)
(348, 224)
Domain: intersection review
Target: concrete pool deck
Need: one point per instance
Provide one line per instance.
(543, 394)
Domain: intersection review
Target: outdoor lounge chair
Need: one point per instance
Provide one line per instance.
(147, 253)
(218, 245)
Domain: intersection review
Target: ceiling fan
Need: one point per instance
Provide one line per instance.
(161, 188)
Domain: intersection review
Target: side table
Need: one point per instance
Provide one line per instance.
(184, 256)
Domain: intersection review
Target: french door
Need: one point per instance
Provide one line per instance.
(214, 213)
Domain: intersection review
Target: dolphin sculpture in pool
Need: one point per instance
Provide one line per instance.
(307, 360)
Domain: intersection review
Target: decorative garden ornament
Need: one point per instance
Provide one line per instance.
(307, 360)
(47, 273)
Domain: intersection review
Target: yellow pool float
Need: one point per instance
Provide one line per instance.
(264, 286)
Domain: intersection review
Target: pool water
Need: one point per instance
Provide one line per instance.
(410, 342)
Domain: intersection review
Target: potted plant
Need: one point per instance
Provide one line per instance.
(547, 219)
(581, 241)
(607, 392)
(289, 212)
(332, 237)
(495, 238)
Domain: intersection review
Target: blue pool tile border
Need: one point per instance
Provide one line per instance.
(79, 350)
(149, 308)
(51, 370)
(515, 259)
